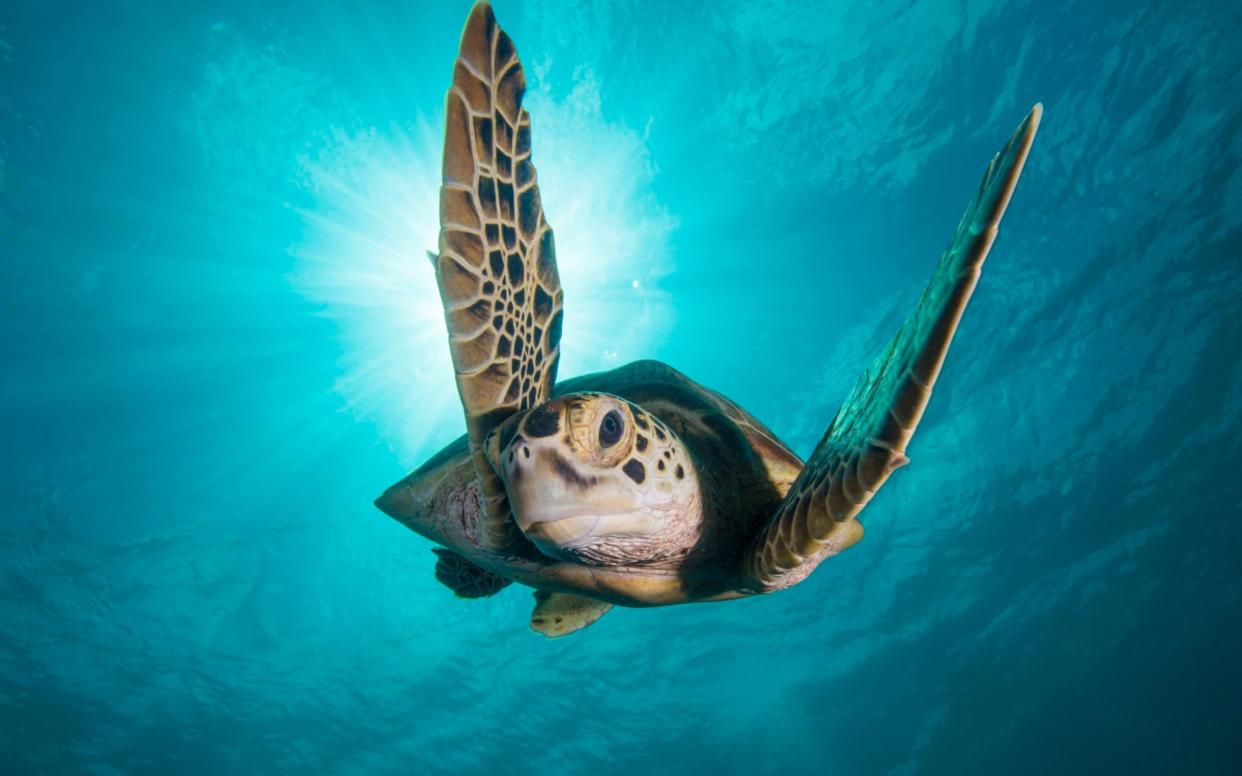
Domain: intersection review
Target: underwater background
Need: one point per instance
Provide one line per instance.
(221, 340)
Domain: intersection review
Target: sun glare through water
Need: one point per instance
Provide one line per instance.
(363, 257)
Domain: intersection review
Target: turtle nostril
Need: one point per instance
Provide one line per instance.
(517, 452)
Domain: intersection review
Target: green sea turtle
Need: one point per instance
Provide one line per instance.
(636, 486)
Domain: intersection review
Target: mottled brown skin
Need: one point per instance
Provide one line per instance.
(743, 470)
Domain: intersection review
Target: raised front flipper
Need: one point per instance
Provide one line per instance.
(497, 264)
(560, 614)
(464, 578)
(867, 439)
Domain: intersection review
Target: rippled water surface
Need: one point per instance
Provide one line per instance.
(221, 340)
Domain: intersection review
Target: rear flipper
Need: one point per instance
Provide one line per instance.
(560, 614)
(464, 578)
(867, 439)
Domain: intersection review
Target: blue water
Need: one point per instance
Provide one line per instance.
(221, 340)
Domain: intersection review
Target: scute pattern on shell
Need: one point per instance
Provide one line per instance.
(496, 266)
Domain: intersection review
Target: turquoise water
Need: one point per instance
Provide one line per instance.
(222, 340)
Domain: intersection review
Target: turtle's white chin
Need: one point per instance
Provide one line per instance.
(570, 537)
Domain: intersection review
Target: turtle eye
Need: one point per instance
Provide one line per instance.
(610, 429)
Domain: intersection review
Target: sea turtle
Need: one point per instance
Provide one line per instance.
(636, 486)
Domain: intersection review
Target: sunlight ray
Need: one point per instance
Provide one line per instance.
(374, 215)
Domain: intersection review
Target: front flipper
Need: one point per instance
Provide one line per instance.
(464, 578)
(560, 614)
(867, 439)
(496, 266)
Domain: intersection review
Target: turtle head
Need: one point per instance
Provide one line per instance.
(593, 478)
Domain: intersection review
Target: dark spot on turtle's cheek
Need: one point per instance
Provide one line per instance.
(681, 473)
(635, 470)
(641, 443)
(660, 465)
(567, 472)
(542, 421)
